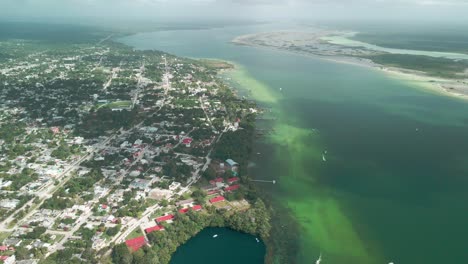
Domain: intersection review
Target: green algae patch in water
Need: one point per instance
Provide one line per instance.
(324, 226)
(396, 168)
(258, 90)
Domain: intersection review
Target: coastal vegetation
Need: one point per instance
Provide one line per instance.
(254, 220)
(436, 67)
(446, 41)
(216, 64)
(237, 145)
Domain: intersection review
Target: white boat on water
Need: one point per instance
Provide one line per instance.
(324, 158)
(257, 240)
(319, 260)
(215, 235)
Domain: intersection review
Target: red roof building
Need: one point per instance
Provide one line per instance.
(136, 243)
(55, 130)
(184, 210)
(233, 179)
(187, 141)
(3, 248)
(197, 207)
(217, 199)
(212, 192)
(164, 218)
(154, 228)
(213, 182)
(232, 188)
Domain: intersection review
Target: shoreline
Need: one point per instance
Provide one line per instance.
(221, 66)
(230, 77)
(428, 83)
(277, 248)
(224, 68)
(290, 224)
(240, 80)
(343, 60)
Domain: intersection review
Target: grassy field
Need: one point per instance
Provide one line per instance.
(4, 235)
(58, 238)
(186, 102)
(135, 233)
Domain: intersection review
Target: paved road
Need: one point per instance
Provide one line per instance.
(106, 38)
(206, 114)
(80, 221)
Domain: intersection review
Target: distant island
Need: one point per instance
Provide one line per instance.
(440, 71)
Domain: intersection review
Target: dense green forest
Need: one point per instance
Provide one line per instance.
(104, 119)
(237, 145)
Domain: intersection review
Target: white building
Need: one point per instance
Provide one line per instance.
(9, 203)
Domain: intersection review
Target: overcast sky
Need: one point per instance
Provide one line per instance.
(243, 9)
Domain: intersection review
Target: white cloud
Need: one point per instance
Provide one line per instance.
(233, 8)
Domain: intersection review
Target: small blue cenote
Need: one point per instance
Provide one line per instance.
(227, 247)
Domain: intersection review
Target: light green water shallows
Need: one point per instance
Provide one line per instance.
(394, 183)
